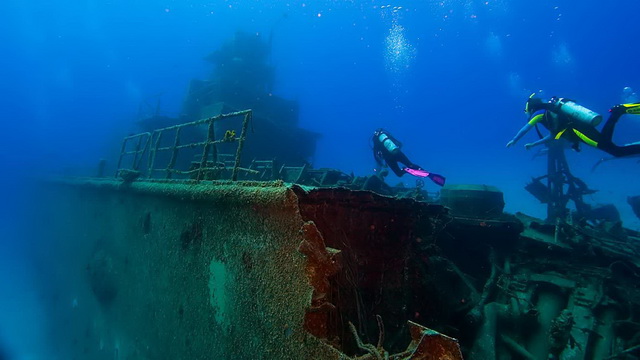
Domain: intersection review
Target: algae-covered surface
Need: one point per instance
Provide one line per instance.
(178, 271)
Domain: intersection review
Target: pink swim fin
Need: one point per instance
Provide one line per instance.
(416, 172)
(438, 179)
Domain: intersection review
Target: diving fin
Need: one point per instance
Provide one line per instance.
(416, 172)
(438, 179)
(632, 108)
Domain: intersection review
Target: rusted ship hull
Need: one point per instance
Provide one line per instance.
(166, 270)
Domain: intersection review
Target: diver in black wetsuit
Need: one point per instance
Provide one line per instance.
(567, 120)
(386, 149)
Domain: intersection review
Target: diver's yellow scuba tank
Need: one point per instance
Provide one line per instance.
(578, 112)
(386, 141)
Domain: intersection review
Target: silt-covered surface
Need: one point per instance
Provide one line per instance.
(215, 270)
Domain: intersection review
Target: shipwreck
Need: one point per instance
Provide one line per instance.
(206, 243)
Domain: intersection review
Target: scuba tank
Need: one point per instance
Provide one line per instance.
(386, 141)
(578, 112)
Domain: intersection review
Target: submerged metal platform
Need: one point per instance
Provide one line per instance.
(167, 269)
(222, 270)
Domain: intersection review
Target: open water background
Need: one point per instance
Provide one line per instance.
(448, 78)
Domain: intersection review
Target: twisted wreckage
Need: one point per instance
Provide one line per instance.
(198, 250)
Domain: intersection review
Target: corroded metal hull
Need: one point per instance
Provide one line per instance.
(165, 270)
(270, 270)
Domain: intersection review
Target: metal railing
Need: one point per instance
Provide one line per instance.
(150, 144)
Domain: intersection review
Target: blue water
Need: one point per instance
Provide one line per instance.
(448, 78)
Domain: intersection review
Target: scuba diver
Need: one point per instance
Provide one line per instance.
(570, 121)
(386, 149)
